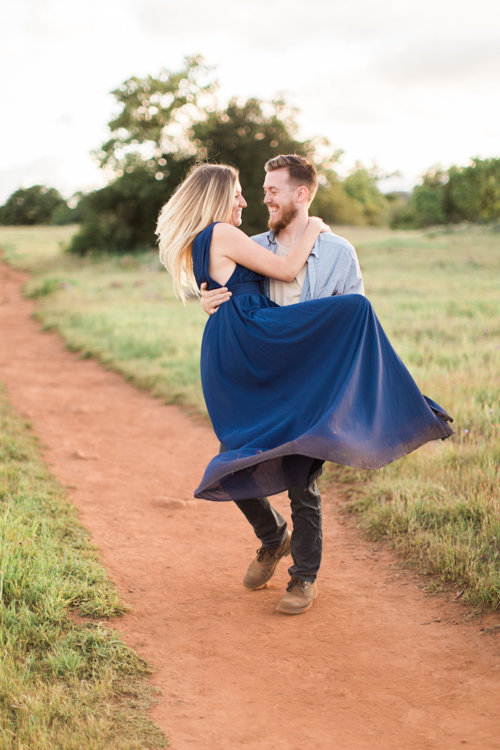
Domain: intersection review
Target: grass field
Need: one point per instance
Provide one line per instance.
(62, 684)
(436, 294)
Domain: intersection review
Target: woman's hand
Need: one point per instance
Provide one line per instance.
(213, 299)
(319, 224)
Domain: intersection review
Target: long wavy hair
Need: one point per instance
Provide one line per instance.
(205, 196)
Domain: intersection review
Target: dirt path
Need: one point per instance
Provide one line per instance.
(375, 665)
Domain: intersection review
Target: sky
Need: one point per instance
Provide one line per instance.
(399, 84)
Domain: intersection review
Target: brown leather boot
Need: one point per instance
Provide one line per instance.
(262, 568)
(298, 598)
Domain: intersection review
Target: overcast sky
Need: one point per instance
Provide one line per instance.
(405, 84)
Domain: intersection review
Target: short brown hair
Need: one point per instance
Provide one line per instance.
(301, 171)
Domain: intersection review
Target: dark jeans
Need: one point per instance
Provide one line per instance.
(307, 537)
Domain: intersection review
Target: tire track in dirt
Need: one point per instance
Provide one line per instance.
(374, 665)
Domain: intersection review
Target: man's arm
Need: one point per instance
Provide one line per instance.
(334, 269)
(353, 282)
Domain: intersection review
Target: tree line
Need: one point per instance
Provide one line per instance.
(166, 123)
(38, 204)
(461, 193)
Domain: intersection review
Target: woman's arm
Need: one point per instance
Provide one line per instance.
(231, 244)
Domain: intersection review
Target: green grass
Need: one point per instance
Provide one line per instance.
(62, 684)
(120, 310)
(437, 296)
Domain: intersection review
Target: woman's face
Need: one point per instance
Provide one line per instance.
(239, 203)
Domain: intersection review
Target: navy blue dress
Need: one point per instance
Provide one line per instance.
(285, 386)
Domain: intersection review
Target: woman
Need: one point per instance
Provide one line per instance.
(284, 386)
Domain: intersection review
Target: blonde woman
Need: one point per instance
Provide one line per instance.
(285, 387)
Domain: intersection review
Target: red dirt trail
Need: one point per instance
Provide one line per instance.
(374, 665)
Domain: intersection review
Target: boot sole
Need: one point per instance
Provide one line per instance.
(294, 611)
(282, 609)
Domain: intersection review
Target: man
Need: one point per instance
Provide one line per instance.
(332, 268)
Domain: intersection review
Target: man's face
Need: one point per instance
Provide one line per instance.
(280, 197)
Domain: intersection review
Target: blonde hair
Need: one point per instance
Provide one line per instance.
(205, 196)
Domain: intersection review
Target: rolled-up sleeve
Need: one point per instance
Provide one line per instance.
(336, 268)
(353, 281)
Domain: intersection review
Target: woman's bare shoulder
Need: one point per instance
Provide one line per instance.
(224, 229)
(224, 232)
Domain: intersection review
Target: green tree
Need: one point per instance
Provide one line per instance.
(148, 154)
(246, 135)
(164, 126)
(401, 211)
(122, 216)
(33, 205)
(155, 118)
(167, 123)
(361, 186)
(333, 203)
(427, 204)
(70, 213)
(460, 193)
(429, 199)
(473, 192)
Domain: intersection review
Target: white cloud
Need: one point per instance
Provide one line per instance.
(402, 83)
(455, 59)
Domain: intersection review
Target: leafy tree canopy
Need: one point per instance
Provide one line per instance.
(33, 205)
(156, 118)
(460, 193)
(164, 125)
(246, 135)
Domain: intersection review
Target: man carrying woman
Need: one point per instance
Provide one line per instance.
(287, 386)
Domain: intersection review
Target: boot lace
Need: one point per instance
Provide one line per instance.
(264, 552)
(293, 582)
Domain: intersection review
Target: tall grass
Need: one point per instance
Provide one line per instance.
(119, 309)
(62, 684)
(436, 294)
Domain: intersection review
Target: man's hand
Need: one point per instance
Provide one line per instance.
(211, 301)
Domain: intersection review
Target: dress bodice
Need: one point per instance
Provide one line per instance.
(201, 263)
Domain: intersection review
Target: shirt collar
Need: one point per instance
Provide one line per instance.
(271, 239)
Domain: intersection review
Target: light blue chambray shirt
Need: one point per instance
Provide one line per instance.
(332, 266)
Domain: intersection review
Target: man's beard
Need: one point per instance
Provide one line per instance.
(286, 215)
